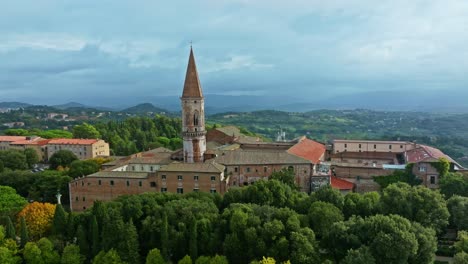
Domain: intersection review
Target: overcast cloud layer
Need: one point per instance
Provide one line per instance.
(59, 51)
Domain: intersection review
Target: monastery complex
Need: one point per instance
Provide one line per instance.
(222, 158)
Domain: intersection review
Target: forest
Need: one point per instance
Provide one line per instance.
(269, 222)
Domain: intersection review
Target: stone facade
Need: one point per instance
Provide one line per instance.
(82, 148)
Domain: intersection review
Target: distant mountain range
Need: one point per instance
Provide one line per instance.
(428, 101)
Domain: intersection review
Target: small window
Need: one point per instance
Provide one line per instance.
(345, 145)
(139, 183)
(196, 190)
(82, 183)
(248, 169)
(163, 177)
(153, 184)
(84, 198)
(195, 178)
(112, 183)
(76, 199)
(213, 191)
(163, 190)
(389, 146)
(265, 169)
(401, 146)
(180, 190)
(179, 177)
(151, 168)
(213, 178)
(128, 183)
(433, 179)
(142, 168)
(99, 182)
(422, 169)
(375, 146)
(133, 168)
(359, 145)
(235, 169)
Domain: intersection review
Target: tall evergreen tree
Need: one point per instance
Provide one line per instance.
(10, 229)
(95, 245)
(59, 223)
(128, 247)
(70, 232)
(24, 232)
(164, 237)
(193, 240)
(82, 240)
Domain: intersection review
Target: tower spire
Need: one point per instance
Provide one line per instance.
(192, 87)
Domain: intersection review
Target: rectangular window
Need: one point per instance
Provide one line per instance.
(112, 183)
(248, 169)
(196, 189)
(235, 169)
(213, 191)
(153, 184)
(142, 168)
(375, 146)
(128, 183)
(389, 146)
(401, 146)
(195, 178)
(99, 182)
(151, 168)
(213, 178)
(359, 145)
(180, 190)
(265, 169)
(163, 190)
(422, 169)
(84, 198)
(133, 168)
(433, 178)
(76, 199)
(139, 183)
(179, 177)
(163, 177)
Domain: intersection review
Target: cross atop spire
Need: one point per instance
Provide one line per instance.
(192, 87)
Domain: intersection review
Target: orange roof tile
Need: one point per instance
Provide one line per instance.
(308, 149)
(72, 141)
(341, 184)
(12, 138)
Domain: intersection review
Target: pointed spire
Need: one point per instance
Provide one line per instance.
(192, 87)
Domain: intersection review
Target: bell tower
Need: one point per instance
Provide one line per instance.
(193, 115)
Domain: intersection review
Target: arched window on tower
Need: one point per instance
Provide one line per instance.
(187, 119)
(195, 118)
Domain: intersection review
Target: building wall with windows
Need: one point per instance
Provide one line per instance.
(371, 146)
(82, 148)
(427, 173)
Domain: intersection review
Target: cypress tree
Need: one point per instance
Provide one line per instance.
(95, 247)
(59, 223)
(24, 232)
(193, 240)
(82, 240)
(128, 247)
(70, 227)
(164, 237)
(10, 229)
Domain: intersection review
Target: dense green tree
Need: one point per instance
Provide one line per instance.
(109, 257)
(80, 168)
(359, 256)
(10, 231)
(85, 130)
(458, 209)
(24, 232)
(286, 176)
(32, 157)
(366, 204)
(416, 203)
(193, 243)
(8, 257)
(462, 243)
(155, 257)
(41, 252)
(62, 158)
(71, 255)
(329, 195)
(10, 201)
(70, 232)
(185, 260)
(128, 247)
(2, 167)
(95, 241)
(454, 184)
(212, 260)
(322, 215)
(59, 223)
(460, 258)
(82, 240)
(427, 244)
(13, 159)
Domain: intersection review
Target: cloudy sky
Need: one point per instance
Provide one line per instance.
(60, 51)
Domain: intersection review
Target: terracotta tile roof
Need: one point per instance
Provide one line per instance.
(72, 141)
(308, 149)
(425, 153)
(11, 138)
(35, 141)
(252, 157)
(192, 87)
(341, 184)
(117, 174)
(209, 166)
(160, 158)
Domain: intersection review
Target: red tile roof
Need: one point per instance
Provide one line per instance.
(11, 138)
(72, 141)
(425, 153)
(308, 149)
(341, 184)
